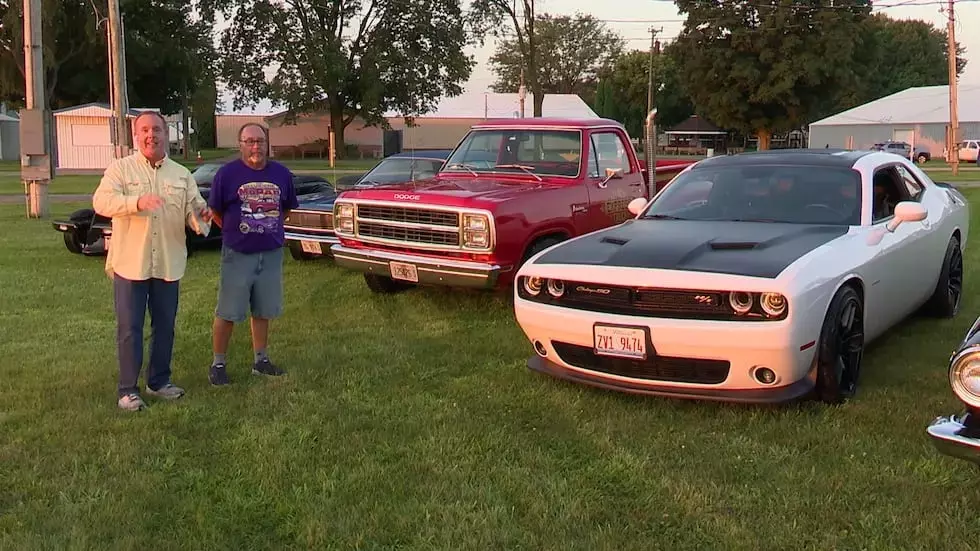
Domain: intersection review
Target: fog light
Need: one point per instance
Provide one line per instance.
(765, 375)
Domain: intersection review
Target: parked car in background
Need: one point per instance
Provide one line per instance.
(904, 149)
(757, 277)
(90, 234)
(968, 151)
(959, 435)
(309, 228)
(204, 173)
(510, 188)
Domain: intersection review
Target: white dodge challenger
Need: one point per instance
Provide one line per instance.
(757, 277)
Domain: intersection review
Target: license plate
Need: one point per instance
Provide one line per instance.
(312, 247)
(623, 342)
(403, 271)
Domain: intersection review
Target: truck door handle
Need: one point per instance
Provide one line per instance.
(636, 184)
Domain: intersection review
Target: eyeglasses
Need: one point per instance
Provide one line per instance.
(252, 142)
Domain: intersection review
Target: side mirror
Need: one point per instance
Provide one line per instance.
(906, 211)
(612, 173)
(637, 205)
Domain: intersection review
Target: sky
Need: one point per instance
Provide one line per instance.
(633, 19)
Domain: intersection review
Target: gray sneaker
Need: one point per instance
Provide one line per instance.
(168, 391)
(131, 402)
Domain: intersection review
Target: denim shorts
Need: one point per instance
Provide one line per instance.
(250, 281)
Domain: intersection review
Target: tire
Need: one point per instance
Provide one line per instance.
(384, 284)
(538, 246)
(841, 348)
(72, 243)
(945, 300)
(921, 158)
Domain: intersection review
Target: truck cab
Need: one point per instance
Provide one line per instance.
(510, 189)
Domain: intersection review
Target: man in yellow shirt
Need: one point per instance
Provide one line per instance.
(150, 198)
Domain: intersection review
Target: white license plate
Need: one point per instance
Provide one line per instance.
(312, 247)
(403, 271)
(624, 342)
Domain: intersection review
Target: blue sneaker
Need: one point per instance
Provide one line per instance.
(217, 375)
(266, 367)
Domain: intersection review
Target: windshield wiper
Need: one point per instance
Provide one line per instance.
(527, 169)
(663, 217)
(463, 165)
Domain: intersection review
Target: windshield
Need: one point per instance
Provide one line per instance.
(539, 152)
(776, 193)
(401, 169)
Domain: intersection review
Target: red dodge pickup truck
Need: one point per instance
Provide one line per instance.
(511, 188)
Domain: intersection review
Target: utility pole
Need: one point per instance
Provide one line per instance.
(120, 128)
(522, 92)
(654, 50)
(35, 125)
(954, 123)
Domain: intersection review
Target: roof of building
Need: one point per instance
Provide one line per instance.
(792, 157)
(695, 125)
(97, 109)
(923, 105)
(493, 105)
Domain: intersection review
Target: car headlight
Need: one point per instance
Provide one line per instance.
(343, 219)
(773, 304)
(533, 285)
(476, 231)
(964, 376)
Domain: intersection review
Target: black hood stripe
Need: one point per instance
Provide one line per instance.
(756, 249)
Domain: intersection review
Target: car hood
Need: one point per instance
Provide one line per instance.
(754, 249)
(318, 201)
(462, 191)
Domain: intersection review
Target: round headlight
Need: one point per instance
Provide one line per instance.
(964, 376)
(740, 301)
(532, 285)
(773, 304)
(556, 287)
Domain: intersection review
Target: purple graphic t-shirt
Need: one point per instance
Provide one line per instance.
(252, 204)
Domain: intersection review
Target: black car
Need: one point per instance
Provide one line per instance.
(86, 232)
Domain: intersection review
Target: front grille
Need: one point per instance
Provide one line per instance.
(409, 215)
(314, 220)
(632, 301)
(409, 226)
(408, 235)
(654, 368)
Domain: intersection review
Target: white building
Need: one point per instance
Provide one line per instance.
(83, 135)
(918, 116)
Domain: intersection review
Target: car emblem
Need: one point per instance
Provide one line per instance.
(582, 289)
(703, 299)
(407, 197)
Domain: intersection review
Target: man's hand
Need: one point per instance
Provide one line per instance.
(149, 201)
(206, 214)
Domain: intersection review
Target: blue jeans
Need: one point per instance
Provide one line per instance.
(250, 282)
(131, 300)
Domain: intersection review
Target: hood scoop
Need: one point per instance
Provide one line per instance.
(615, 240)
(734, 245)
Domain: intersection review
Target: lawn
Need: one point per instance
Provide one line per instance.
(411, 421)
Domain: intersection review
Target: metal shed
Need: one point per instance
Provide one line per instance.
(9, 138)
(918, 116)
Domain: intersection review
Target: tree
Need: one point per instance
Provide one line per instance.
(906, 54)
(572, 53)
(627, 85)
(496, 17)
(349, 57)
(161, 41)
(767, 68)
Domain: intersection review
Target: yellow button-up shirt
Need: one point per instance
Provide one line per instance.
(152, 243)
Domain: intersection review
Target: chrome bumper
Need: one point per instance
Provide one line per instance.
(952, 437)
(430, 271)
(324, 242)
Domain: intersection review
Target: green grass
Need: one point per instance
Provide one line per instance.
(411, 421)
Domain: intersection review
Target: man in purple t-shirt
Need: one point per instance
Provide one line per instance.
(250, 198)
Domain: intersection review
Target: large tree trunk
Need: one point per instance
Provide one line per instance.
(337, 127)
(765, 136)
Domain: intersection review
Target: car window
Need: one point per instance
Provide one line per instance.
(887, 190)
(912, 184)
(546, 152)
(768, 193)
(608, 151)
